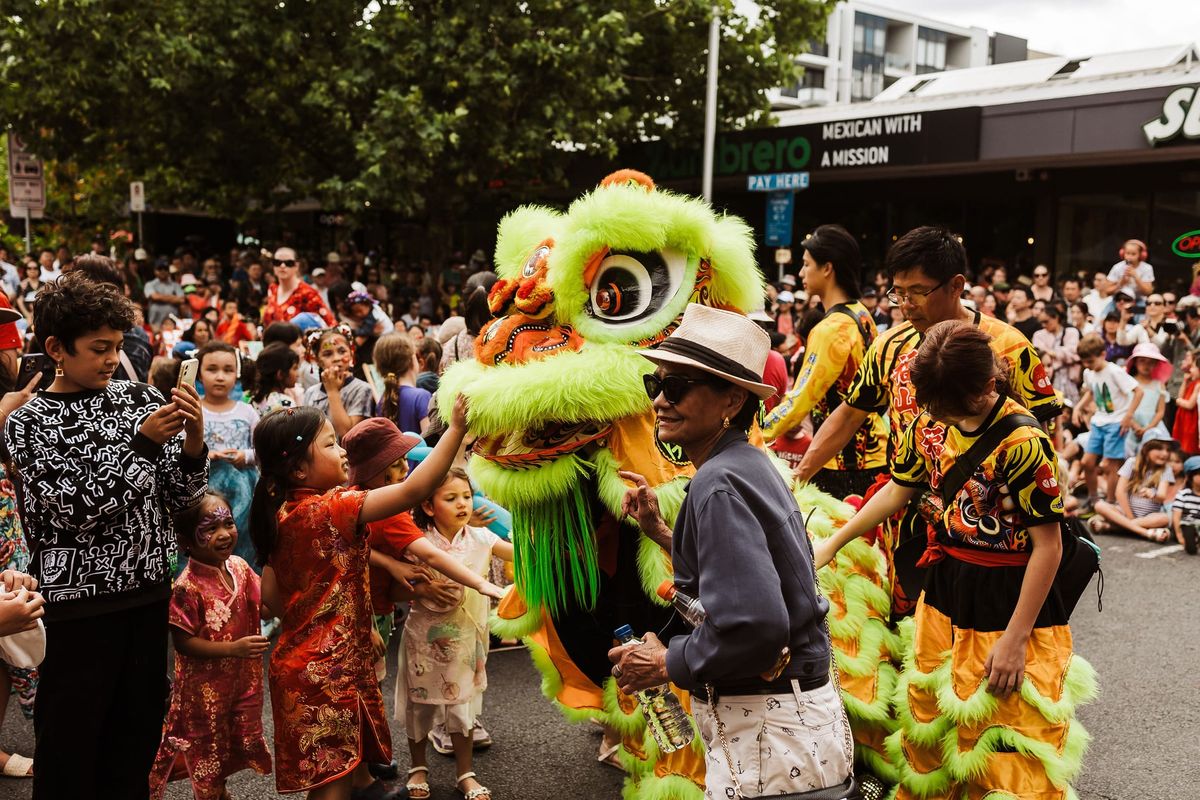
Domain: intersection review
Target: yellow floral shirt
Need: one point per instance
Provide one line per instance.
(833, 353)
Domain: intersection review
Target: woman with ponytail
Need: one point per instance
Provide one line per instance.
(312, 533)
(402, 401)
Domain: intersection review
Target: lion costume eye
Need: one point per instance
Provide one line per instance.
(535, 260)
(630, 286)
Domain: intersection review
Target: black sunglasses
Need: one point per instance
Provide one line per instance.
(284, 262)
(672, 387)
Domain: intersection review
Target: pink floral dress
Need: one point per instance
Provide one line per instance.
(214, 725)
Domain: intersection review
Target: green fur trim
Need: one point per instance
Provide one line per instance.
(654, 567)
(555, 552)
(860, 596)
(809, 497)
(552, 685)
(1060, 768)
(511, 488)
(668, 787)
(878, 712)
(519, 234)
(611, 489)
(878, 765)
(871, 651)
(624, 217)
(1079, 686)
(519, 628)
(631, 724)
(921, 784)
(600, 382)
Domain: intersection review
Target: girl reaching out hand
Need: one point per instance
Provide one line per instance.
(214, 726)
(328, 710)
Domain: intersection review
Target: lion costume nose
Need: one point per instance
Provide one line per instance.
(525, 328)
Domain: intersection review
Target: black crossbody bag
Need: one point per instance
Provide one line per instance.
(1080, 553)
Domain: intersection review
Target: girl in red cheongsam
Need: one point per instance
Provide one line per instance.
(311, 533)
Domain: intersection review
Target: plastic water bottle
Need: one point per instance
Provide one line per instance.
(688, 607)
(669, 724)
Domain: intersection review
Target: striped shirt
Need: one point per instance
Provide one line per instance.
(1188, 502)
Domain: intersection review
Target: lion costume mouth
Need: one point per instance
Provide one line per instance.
(527, 449)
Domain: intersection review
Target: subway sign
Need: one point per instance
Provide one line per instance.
(1187, 245)
(1180, 117)
(896, 140)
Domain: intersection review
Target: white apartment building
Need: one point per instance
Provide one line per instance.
(868, 47)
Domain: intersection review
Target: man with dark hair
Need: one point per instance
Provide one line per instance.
(136, 353)
(927, 268)
(1071, 291)
(1020, 312)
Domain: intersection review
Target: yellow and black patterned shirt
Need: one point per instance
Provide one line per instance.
(883, 383)
(832, 357)
(1014, 488)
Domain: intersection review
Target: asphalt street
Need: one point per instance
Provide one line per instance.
(1145, 724)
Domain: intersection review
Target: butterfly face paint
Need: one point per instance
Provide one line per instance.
(211, 522)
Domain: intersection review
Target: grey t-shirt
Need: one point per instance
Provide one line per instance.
(157, 312)
(356, 397)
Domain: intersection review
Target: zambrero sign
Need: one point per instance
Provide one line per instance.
(1187, 245)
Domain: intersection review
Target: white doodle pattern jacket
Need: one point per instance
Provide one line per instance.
(96, 497)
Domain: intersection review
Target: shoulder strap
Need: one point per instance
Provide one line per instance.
(862, 330)
(966, 464)
(832, 398)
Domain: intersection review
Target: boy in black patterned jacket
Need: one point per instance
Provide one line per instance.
(100, 469)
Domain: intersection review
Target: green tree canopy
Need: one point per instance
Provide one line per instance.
(413, 107)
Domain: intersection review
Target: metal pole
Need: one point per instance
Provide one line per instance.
(28, 231)
(710, 102)
(141, 239)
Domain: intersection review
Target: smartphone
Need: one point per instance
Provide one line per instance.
(33, 364)
(187, 373)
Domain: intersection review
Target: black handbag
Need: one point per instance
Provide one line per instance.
(1080, 553)
(847, 790)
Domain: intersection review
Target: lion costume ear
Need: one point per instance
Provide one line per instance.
(520, 233)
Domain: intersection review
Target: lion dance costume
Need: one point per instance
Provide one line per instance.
(559, 408)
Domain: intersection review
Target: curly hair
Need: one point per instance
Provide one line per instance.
(75, 305)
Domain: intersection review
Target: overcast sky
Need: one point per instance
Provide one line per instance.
(1072, 27)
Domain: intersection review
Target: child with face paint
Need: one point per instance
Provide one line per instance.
(343, 398)
(214, 726)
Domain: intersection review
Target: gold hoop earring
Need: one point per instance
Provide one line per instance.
(58, 371)
(725, 423)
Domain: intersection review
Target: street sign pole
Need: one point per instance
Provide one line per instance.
(28, 231)
(710, 103)
(141, 239)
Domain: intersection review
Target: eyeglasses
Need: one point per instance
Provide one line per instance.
(1041, 274)
(671, 387)
(284, 262)
(1154, 302)
(1124, 299)
(915, 296)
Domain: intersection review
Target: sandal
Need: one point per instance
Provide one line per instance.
(473, 794)
(418, 791)
(1159, 535)
(18, 766)
(608, 755)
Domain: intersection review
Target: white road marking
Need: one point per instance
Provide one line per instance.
(1161, 551)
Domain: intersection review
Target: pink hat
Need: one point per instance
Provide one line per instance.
(1162, 370)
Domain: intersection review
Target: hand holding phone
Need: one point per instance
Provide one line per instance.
(187, 373)
(34, 364)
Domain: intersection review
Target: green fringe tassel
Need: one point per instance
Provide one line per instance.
(556, 552)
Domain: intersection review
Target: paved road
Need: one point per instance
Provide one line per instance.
(1145, 725)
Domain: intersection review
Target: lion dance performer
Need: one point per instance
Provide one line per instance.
(559, 407)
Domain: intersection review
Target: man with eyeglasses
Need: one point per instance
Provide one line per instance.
(290, 296)
(927, 268)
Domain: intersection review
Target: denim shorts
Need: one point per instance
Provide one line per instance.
(1106, 441)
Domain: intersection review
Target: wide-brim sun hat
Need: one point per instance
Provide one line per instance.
(1162, 369)
(373, 445)
(722, 343)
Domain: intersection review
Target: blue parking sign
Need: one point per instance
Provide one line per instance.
(780, 206)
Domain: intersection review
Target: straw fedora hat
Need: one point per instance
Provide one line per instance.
(724, 343)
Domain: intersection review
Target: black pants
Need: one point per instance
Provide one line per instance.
(102, 696)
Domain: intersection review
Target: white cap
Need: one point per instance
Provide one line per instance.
(786, 297)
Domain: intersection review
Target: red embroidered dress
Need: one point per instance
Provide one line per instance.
(304, 299)
(327, 706)
(214, 726)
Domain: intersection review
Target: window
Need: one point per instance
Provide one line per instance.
(870, 43)
(818, 47)
(811, 79)
(931, 51)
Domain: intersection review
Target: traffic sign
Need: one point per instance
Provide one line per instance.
(777, 181)
(137, 197)
(26, 182)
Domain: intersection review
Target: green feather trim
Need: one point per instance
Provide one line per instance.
(668, 787)
(1079, 686)
(552, 685)
(525, 625)
(601, 382)
(511, 488)
(934, 783)
(633, 724)
(555, 552)
(809, 497)
(925, 734)
(611, 489)
(872, 651)
(654, 567)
